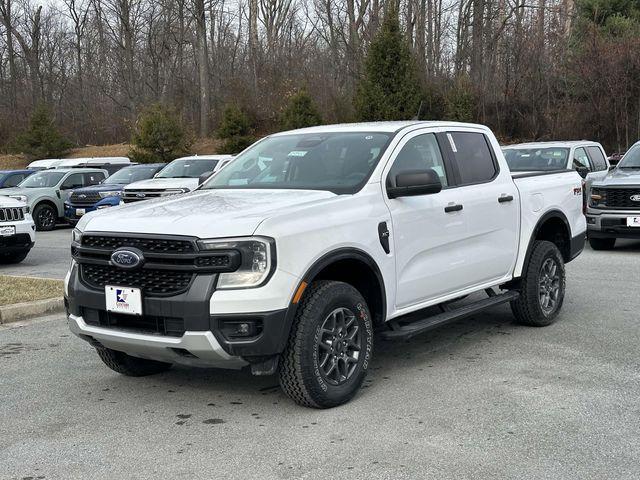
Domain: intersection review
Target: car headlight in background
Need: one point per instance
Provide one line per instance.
(20, 198)
(111, 193)
(598, 197)
(256, 263)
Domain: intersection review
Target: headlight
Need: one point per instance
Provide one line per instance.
(112, 193)
(598, 197)
(76, 235)
(26, 209)
(20, 198)
(256, 263)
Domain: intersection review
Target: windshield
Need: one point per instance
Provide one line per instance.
(129, 175)
(338, 162)
(537, 159)
(46, 178)
(631, 159)
(187, 168)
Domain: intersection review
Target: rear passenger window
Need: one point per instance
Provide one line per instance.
(93, 178)
(420, 153)
(473, 156)
(597, 158)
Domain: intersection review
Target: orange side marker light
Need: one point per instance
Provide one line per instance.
(299, 292)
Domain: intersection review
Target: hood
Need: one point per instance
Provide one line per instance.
(100, 188)
(161, 183)
(6, 202)
(619, 177)
(203, 214)
(28, 192)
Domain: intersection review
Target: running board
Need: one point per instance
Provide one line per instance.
(409, 330)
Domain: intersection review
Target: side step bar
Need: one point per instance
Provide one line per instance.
(406, 331)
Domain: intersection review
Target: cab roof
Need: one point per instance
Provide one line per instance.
(382, 127)
(555, 144)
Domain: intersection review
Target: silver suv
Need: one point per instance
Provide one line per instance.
(613, 210)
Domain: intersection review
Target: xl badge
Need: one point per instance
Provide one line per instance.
(125, 258)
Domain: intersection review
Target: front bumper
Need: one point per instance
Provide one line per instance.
(179, 328)
(611, 224)
(23, 240)
(200, 349)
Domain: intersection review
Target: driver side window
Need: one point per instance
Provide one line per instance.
(420, 153)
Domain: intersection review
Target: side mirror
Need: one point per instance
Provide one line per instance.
(203, 178)
(410, 183)
(582, 171)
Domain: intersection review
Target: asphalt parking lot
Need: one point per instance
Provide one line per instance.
(49, 258)
(484, 398)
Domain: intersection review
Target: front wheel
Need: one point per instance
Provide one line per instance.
(602, 243)
(45, 217)
(330, 346)
(542, 287)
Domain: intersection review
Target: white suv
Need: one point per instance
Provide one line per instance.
(287, 258)
(17, 230)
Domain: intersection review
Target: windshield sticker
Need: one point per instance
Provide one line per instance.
(297, 153)
(452, 143)
(238, 181)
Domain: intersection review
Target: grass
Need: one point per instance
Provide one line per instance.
(26, 289)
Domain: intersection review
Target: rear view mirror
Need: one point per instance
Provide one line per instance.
(203, 178)
(410, 183)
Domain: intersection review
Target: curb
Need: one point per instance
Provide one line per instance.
(24, 311)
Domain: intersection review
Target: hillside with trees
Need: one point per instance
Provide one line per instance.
(547, 69)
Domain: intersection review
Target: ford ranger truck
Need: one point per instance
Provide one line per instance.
(613, 210)
(288, 259)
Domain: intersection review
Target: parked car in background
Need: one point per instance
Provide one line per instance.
(44, 163)
(614, 158)
(180, 176)
(12, 178)
(287, 258)
(585, 157)
(613, 210)
(46, 191)
(110, 164)
(106, 194)
(17, 230)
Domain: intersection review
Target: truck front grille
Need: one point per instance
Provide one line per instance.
(12, 214)
(149, 244)
(84, 199)
(137, 195)
(150, 281)
(621, 197)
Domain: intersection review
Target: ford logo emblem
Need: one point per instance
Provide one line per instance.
(82, 196)
(140, 195)
(635, 198)
(127, 258)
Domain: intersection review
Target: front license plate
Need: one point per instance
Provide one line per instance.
(633, 221)
(7, 231)
(123, 300)
(80, 211)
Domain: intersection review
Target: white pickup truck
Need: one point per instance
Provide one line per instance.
(290, 257)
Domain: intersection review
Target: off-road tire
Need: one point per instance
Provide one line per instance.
(299, 369)
(130, 366)
(38, 211)
(602, 243)
(527, 309)
(10, 258)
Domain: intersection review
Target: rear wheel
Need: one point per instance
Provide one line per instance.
(542, 287)
(45, 217)
(329, 348)
(602, 243)
(130, 366)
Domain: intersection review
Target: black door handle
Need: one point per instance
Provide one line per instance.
(505, 198)
(453, 208)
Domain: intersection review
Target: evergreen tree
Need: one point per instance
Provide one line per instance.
(159, 136)
(42, 138)
(390, 88)
(460, 101)
(235, 130)
(300, 112)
